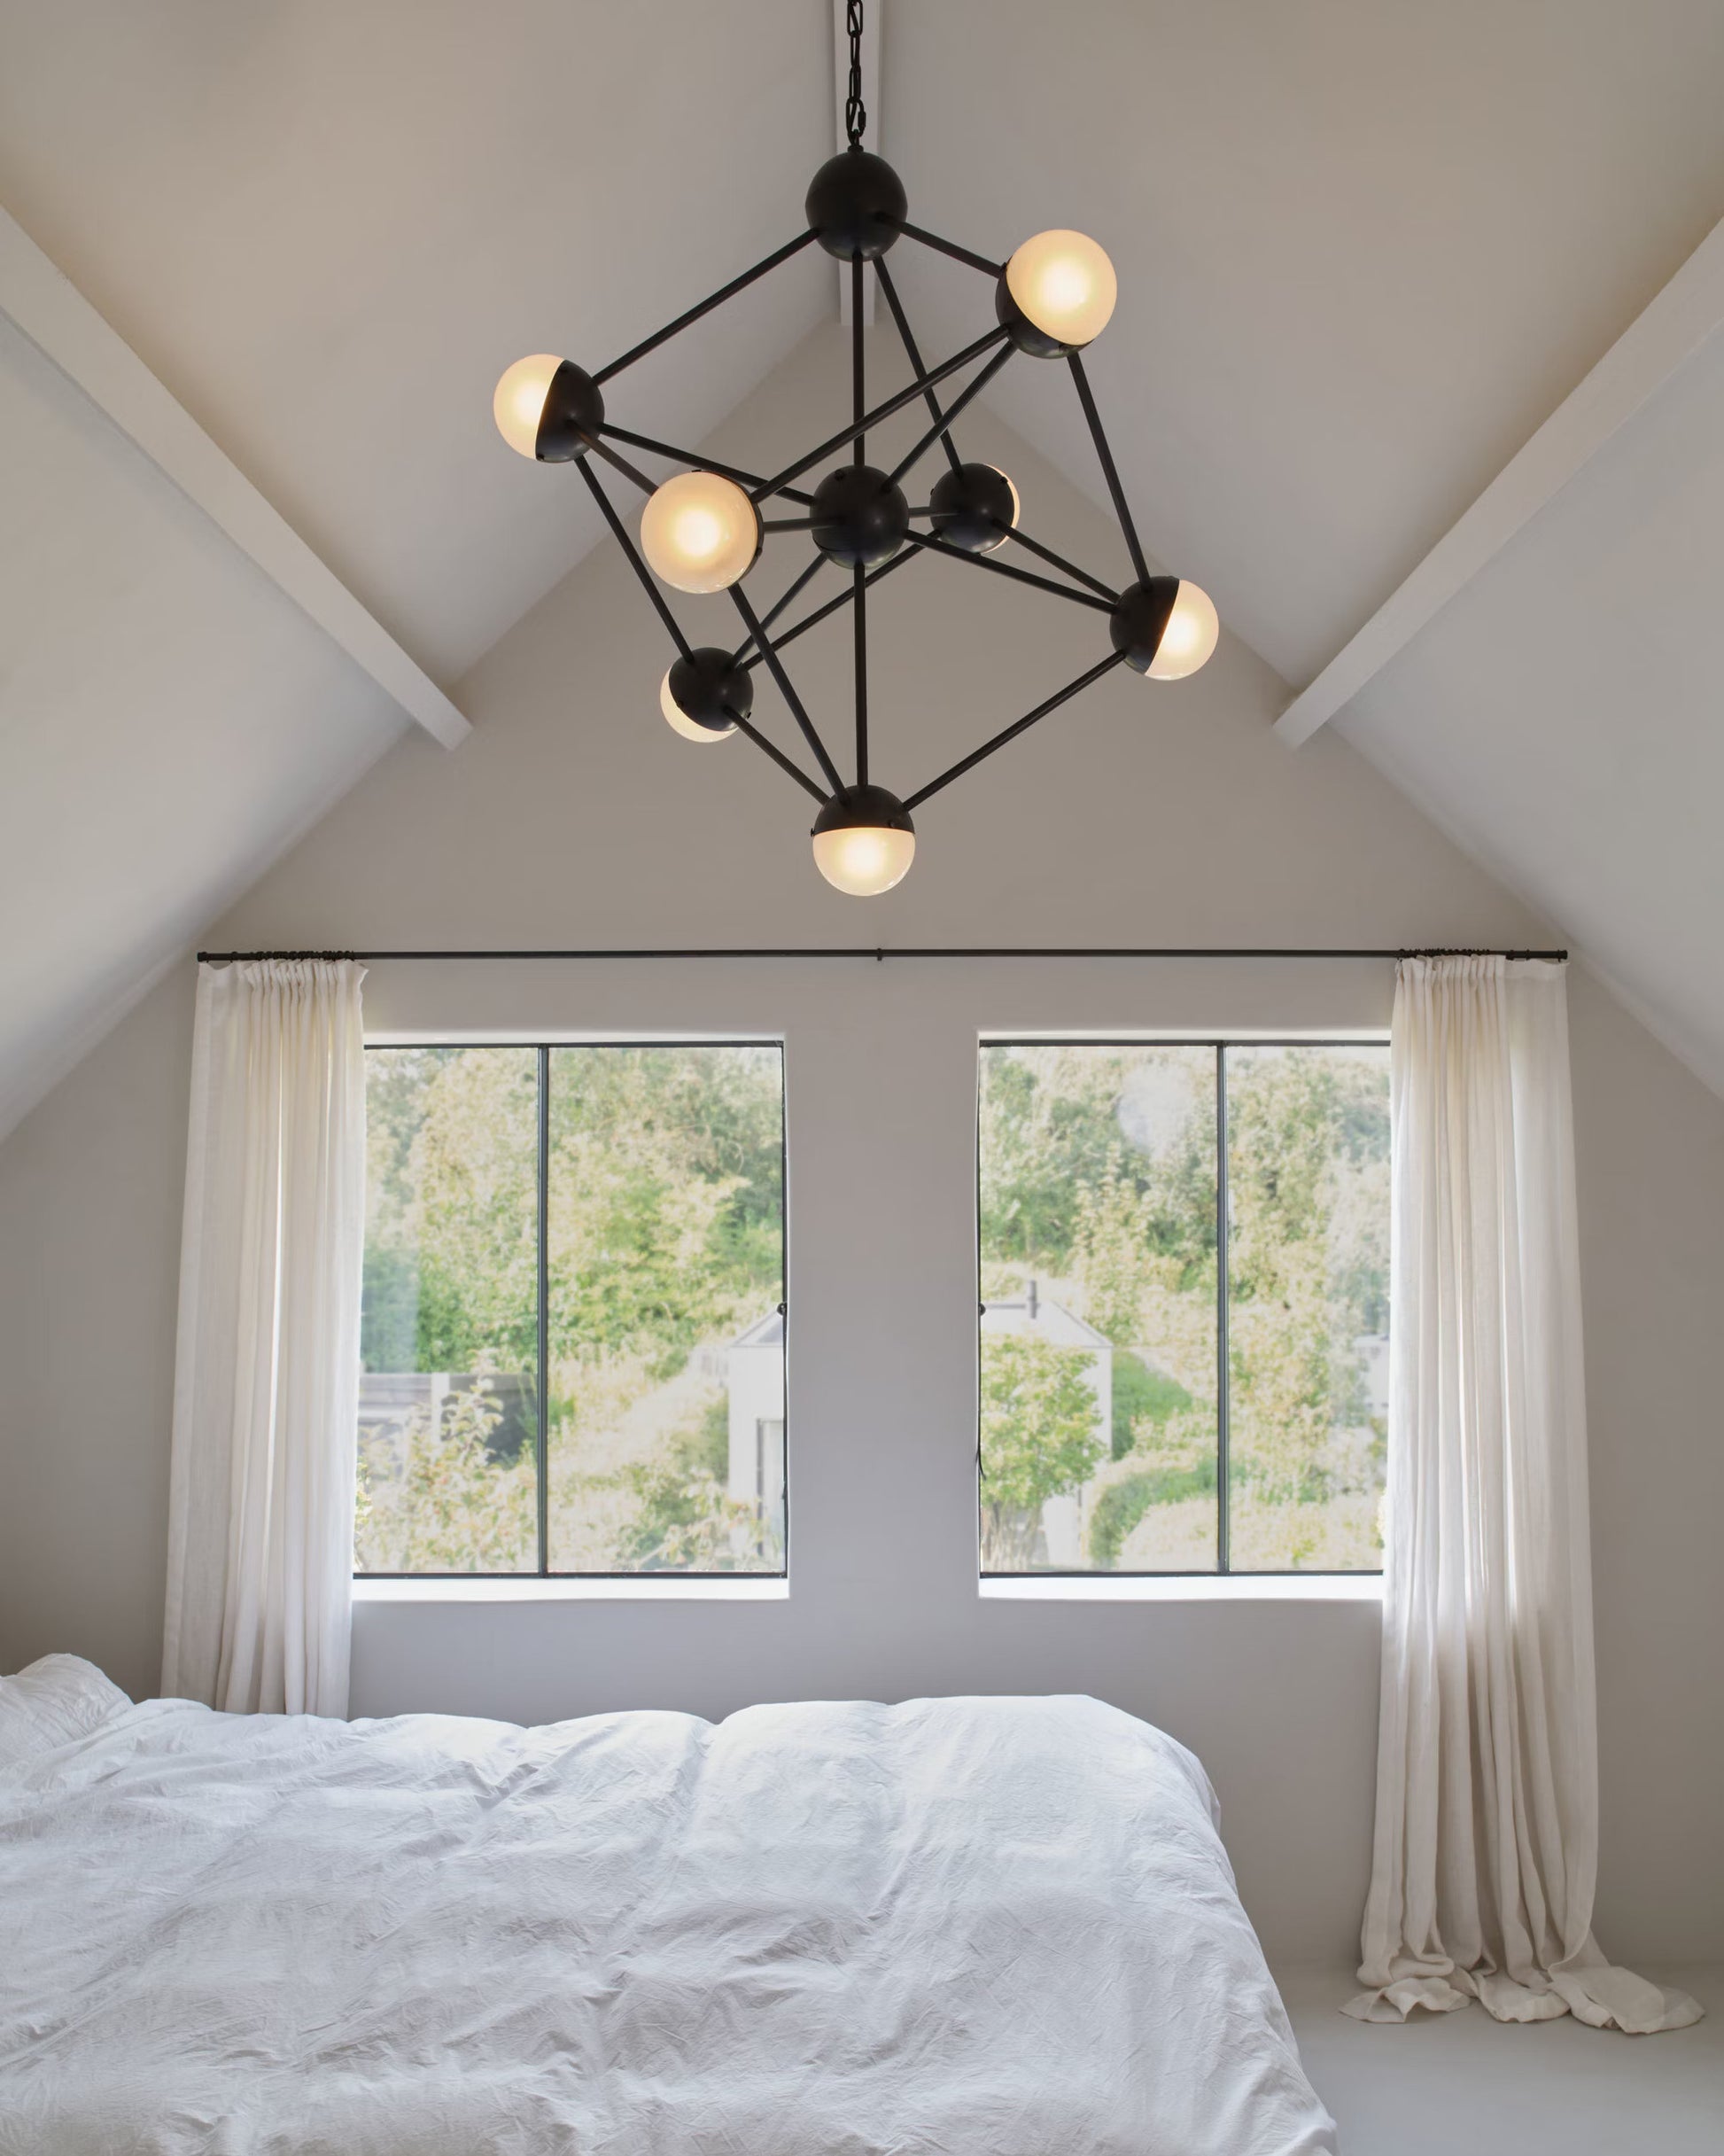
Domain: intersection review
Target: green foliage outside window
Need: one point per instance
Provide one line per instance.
(1099, 1180)
(663, 1239)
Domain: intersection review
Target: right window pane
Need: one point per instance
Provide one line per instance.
(1307, 1306)
(1144, 1406)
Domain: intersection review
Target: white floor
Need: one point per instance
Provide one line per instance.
(1444, 2083)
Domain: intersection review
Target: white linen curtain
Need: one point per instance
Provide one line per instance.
(260, 1538)
(1486, 1838)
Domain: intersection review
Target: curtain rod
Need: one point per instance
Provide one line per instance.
(880, 953)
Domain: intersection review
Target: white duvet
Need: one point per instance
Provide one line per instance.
(980, 1927)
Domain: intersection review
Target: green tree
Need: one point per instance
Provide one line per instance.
(1040, 1438)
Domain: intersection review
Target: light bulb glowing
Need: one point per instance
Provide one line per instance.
(689, 728)
(519, 402)
(1016, 506)
(1065, 285)
(864, 860)
(699, 532)
(1193, 632)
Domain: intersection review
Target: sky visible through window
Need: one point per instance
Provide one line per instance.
(646, 1311)
(1116, 1434)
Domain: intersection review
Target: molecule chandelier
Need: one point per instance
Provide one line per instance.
(703, 529)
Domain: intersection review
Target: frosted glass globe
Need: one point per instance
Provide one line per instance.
(519, 402)
(699, 532)
(1065, 285)
(689, 728)
(862, 860)
(1193, 632)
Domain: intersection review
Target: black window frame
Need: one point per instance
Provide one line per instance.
(1220, 1044)
(542, 1050)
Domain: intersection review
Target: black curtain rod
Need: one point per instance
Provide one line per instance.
(880, 953)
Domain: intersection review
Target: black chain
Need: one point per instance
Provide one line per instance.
(856, 113)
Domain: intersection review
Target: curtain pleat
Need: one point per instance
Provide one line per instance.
(266, 1372)
(1485, 1850)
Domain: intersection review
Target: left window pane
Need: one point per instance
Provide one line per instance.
(449, 1412)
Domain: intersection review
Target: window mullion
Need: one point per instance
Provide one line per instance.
(1222, 1258)
(542, 1270)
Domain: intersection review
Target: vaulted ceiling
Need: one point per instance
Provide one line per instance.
(1364, 252)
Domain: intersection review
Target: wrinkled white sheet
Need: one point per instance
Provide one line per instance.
(975, 1926)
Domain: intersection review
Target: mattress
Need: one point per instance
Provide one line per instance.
(975, 1927)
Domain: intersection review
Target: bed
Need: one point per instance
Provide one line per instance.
(969, 1926)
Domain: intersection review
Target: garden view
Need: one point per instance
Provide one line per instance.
(1098, 1168)
(664, 1241)
(663, 1263)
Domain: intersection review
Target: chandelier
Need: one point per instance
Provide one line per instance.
(704, 528)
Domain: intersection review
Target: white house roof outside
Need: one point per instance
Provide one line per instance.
(1033, 1310)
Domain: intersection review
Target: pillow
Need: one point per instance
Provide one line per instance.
(55, 1702)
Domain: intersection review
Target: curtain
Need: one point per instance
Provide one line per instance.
(261, 1537)
(1487, 1840)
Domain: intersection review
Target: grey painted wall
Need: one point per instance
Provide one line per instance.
(573, 816)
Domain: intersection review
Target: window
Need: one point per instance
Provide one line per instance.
(1157, 1395)
(572, 1338)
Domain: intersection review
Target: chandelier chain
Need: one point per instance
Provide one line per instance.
(856, 113)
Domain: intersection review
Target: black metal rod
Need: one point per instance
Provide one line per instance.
(860, 585)
(695, 461)
(880, 413)
(971, 390)
(1011, 733)
(725, 291)
(858, 402)
(784, 763)
(950, 248)
(752, 623)
(787, 523)
(622, 464)
(881, 952)
(542, 1352)
(739, 656)
(628, 546)
(1223, 1461)
(820, 613)
(1074, 360)
(1059, 562)
(930, 545)
(915, 358)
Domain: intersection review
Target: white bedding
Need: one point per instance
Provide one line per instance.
(980, 1927)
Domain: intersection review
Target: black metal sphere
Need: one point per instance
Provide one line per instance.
(1023, 330)
(708, 681)
(972, 507)
(860, 516)
(854, 204)
(574, 412)
(863, 807)
(1140, 621)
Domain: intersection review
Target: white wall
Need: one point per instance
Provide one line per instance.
(1140, 815)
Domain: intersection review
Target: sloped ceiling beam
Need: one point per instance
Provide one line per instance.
(57, 318)
(1654, 346)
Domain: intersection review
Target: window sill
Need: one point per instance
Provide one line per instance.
(1190, 1587)
(649, 1587)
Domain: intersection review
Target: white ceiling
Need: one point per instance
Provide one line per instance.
(167, 721)
(1564, 715)
(1364, 252)
(328, 228)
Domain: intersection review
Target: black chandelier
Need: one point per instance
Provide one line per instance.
(703, 529)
